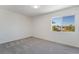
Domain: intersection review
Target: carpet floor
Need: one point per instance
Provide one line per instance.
(36, 46)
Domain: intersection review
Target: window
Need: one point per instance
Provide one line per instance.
(63, 24)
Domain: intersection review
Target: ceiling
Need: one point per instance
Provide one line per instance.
(30, 11)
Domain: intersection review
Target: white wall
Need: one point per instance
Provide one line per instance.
(13, 26)
(42, 27)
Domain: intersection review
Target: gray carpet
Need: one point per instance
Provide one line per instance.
(36, 46)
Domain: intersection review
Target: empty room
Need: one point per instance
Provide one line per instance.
(39, 29)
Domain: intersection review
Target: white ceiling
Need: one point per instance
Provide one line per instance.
(30, 11)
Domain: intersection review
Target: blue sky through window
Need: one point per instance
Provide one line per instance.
(68, 20)
(57, 21)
